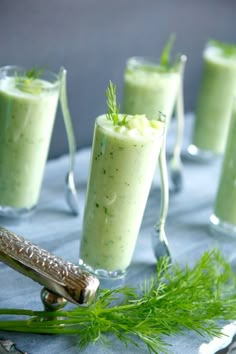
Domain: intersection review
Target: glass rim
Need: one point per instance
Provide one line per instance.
(219, 51)
(160, 132)
(138, 61)
(47, 75)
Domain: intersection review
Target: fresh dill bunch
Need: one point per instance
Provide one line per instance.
(27, 82)
(113, 107)
(175, 299)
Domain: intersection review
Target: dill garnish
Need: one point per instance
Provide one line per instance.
(29, 81)
(165, 55)
(113, 107)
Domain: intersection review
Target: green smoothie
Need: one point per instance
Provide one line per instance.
(225, 204)
(150, 87)
(122, 165)
(214, 103)
(27, 113)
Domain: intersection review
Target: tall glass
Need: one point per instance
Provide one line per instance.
(122, 165)
(224, 217)
(150, 88)
(27, 113)
(214, 103)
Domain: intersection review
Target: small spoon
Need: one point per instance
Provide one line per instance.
(175, 162)
(160, 243)
(71, 193)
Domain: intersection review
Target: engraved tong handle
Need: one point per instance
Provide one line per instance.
(55, 274)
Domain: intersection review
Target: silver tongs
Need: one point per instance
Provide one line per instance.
(61, 279)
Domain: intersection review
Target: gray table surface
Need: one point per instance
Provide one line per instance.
(55, 229)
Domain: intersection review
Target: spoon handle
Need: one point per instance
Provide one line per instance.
(164, 187)
(160, 242)
(67, 117)
(71, 193)
(175, 161)
(180, 110)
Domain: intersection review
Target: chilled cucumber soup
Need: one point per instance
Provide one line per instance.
(218, 86)
(121, 170)
(149, 89)
(26, 122)
(225, 205)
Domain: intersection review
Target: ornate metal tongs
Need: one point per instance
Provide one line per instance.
(62, 281)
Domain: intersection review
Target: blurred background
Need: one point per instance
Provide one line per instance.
(93, 39)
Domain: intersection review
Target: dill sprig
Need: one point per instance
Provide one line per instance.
(28, 82)
(34, 73)
(173, 300)
(165, 55)
(113, 107)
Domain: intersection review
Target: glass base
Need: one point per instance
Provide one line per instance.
(222, 227)
(103, 273)
(11, 212)
(199, 155)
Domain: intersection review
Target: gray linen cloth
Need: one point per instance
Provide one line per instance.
(55, 229)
